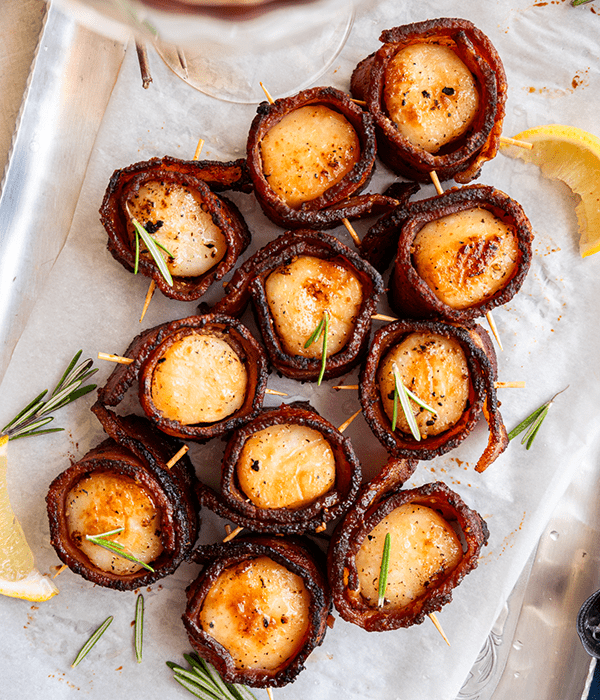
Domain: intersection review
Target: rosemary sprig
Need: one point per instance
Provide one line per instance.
(385, 568)
(35, 415)
(580, 2)
(154, 248)
(321, 329)
(139, 627)
(92, 640)
(532, 424)
(404, 395)
(203, 681)
(116, 547)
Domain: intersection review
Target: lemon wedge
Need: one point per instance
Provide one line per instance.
(19, 577)
(571, 155)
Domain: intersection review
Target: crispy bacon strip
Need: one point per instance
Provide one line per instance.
(148, 347)
(203, 177)
(232, 504)
(339, 201)
(376, 500)
(248, 284)
(463, 159)
(134, 449)
(482, 365)
(295, 554)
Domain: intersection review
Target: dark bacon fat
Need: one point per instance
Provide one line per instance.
(482, 369)
(378, 499)
(342, 200)
(235, 505)
(202, 177)
(410, 295)
(137, 452)
(297, 556)
(249, 280)
(147, 351)
(461, 159)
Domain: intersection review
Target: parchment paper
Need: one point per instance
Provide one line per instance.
(549, 332)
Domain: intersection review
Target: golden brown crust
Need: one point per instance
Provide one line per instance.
(339, 201)
(148, 347)
(296, 555)
(482, 365)
(376, 500)
(409, 294)
(248, 284)
(137, 450)
(461, 160)
(232, 504)
(203, 177)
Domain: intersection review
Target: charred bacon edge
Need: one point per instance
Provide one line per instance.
(145, 349)
(378, 501)
(295, 554)
(232, 503)
(481, 141)
(199, 176)
(404, 445)
(172, 493)
(248, 283)
(314, 213)
(410, 296)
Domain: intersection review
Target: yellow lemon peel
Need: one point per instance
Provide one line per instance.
(571, 155)
(19, 578)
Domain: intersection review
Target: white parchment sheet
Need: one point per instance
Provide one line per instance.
(549, 331)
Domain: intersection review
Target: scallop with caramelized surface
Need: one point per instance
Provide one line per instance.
(258, 609)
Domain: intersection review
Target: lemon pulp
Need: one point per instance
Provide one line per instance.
(18, 576)
(571, 155)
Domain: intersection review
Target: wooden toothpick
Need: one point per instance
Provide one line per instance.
(198, 150)
(147, 300)
(275, 393)
(176, 457)
(233, 533)
(436, 182)
(267, 95)
(345, 424)
(515, 142)
(436, 622)
(351, 230)
(383, 317)
(490, 320)
(115, 358)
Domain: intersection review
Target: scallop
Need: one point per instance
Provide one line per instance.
(435, 369)
(105, 501)
(311, 149)
(466, 257)
(423, 549)
(175, 216)
(430, 95)
(199, 379)
(259, 611)
(301, 292)
(286, 466)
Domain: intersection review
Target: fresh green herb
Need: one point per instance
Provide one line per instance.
(533, 422)
(385, 568)
(404, 395)
(92, 640)
(139, 627)
(35, 415)
(322, 328)
(580, 2)
(116, 547)
(154, 248)
(203, 681)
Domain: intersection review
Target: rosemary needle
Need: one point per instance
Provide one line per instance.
(322, 328)
(404, 395)
(153, 247)
(383, 572)
(203, 681)
(91, 641)
(532, 424)
(116, 547)
(139, 627)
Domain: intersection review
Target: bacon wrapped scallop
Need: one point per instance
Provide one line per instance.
(435, 541)
(198, 377)
(437, 92)
(451, 369)
(125, 484)
(309, 156)
(175, 201)
(259, 608)
(458, 255)
(294, 282)
(287, 471)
